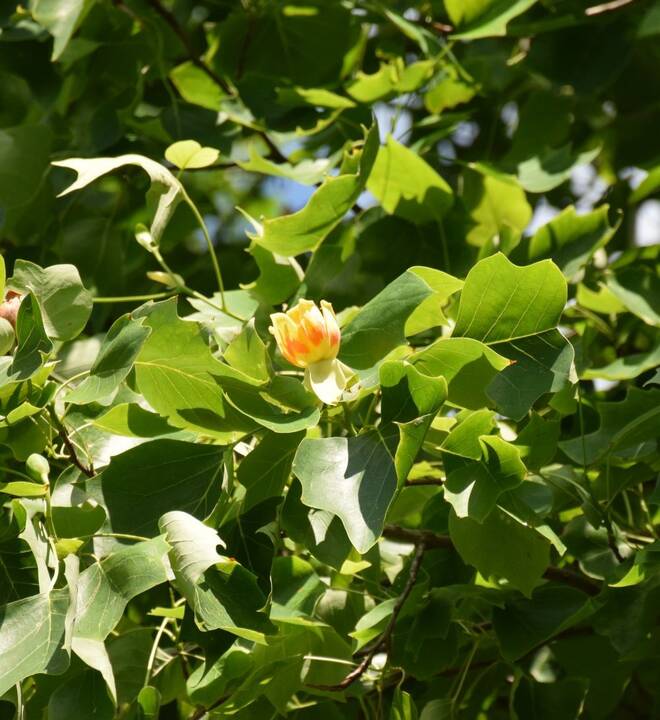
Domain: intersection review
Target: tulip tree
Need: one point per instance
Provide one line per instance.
(329, 380)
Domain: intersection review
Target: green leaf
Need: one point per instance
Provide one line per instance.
(627, 367)
(353, 478)
(524, 624)
(284, 406)
(391, 77)
(495, 203)
(473, 487)
(563, 698)
(132, 420)
(118, 351)
(306, 172)
(106, 586)
(265, 470)
(151, 479)
(279, 277)
(24, 155)
(539, 364)
(410, 401)
(468, 366)
(569, 239)
(501, 302)
(64, 303)
(540, 174)
(638, 288)
(647, 187)
(484, 18)
(190, 155)
(247, 354)
(403, 706)
(174, 372)
(60, 18)
(224, 597)
(295, 234)
(166, 190)
(196, 87)
(379, 326)
(452, 86)
(624, 427)
(407, 186)
(502, 547)
(429, 313)
(35, 633)
(82, 695)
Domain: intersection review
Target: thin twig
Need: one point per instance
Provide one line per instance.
(383, 643)
(64, 437)
(606, 7)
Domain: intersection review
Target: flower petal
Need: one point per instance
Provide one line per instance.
(327, 380)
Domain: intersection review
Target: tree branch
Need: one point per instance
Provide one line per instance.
(383, 643)
(436, 541)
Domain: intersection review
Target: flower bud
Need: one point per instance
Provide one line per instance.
(306, 335)
(38, 468)
(9, 308)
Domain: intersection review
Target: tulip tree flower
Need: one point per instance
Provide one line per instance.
(309, 338)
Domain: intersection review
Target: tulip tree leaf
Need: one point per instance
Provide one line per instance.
(539, 364)
(484, 18)
(624, 425)
(35, 632)
(190, 155)
(265, 469)
(569, 239)
(165, 188)
(60, 19)
(407, 186)
(638, 289)
(151, 479)
(353, 478)
(223, 596)
(501, 302)
(379, 326)
(473, 487)
(174, 372)
(117, 353)
(64, 303)
(495, 204)
(502, 547)
(468, 365)
(295, 234)
(105, 587)
(627, 367)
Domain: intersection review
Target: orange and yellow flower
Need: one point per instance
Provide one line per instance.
(309, 338)
(305, 334)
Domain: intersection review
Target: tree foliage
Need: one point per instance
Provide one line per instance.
(186, 529)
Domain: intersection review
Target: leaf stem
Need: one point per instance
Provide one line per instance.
(132, 298)
(154, 650)
(211, 248)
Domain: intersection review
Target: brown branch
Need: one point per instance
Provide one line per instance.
(436, 541)
(431, 540)
(424, 481)
(385, 639)
(187, 43)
